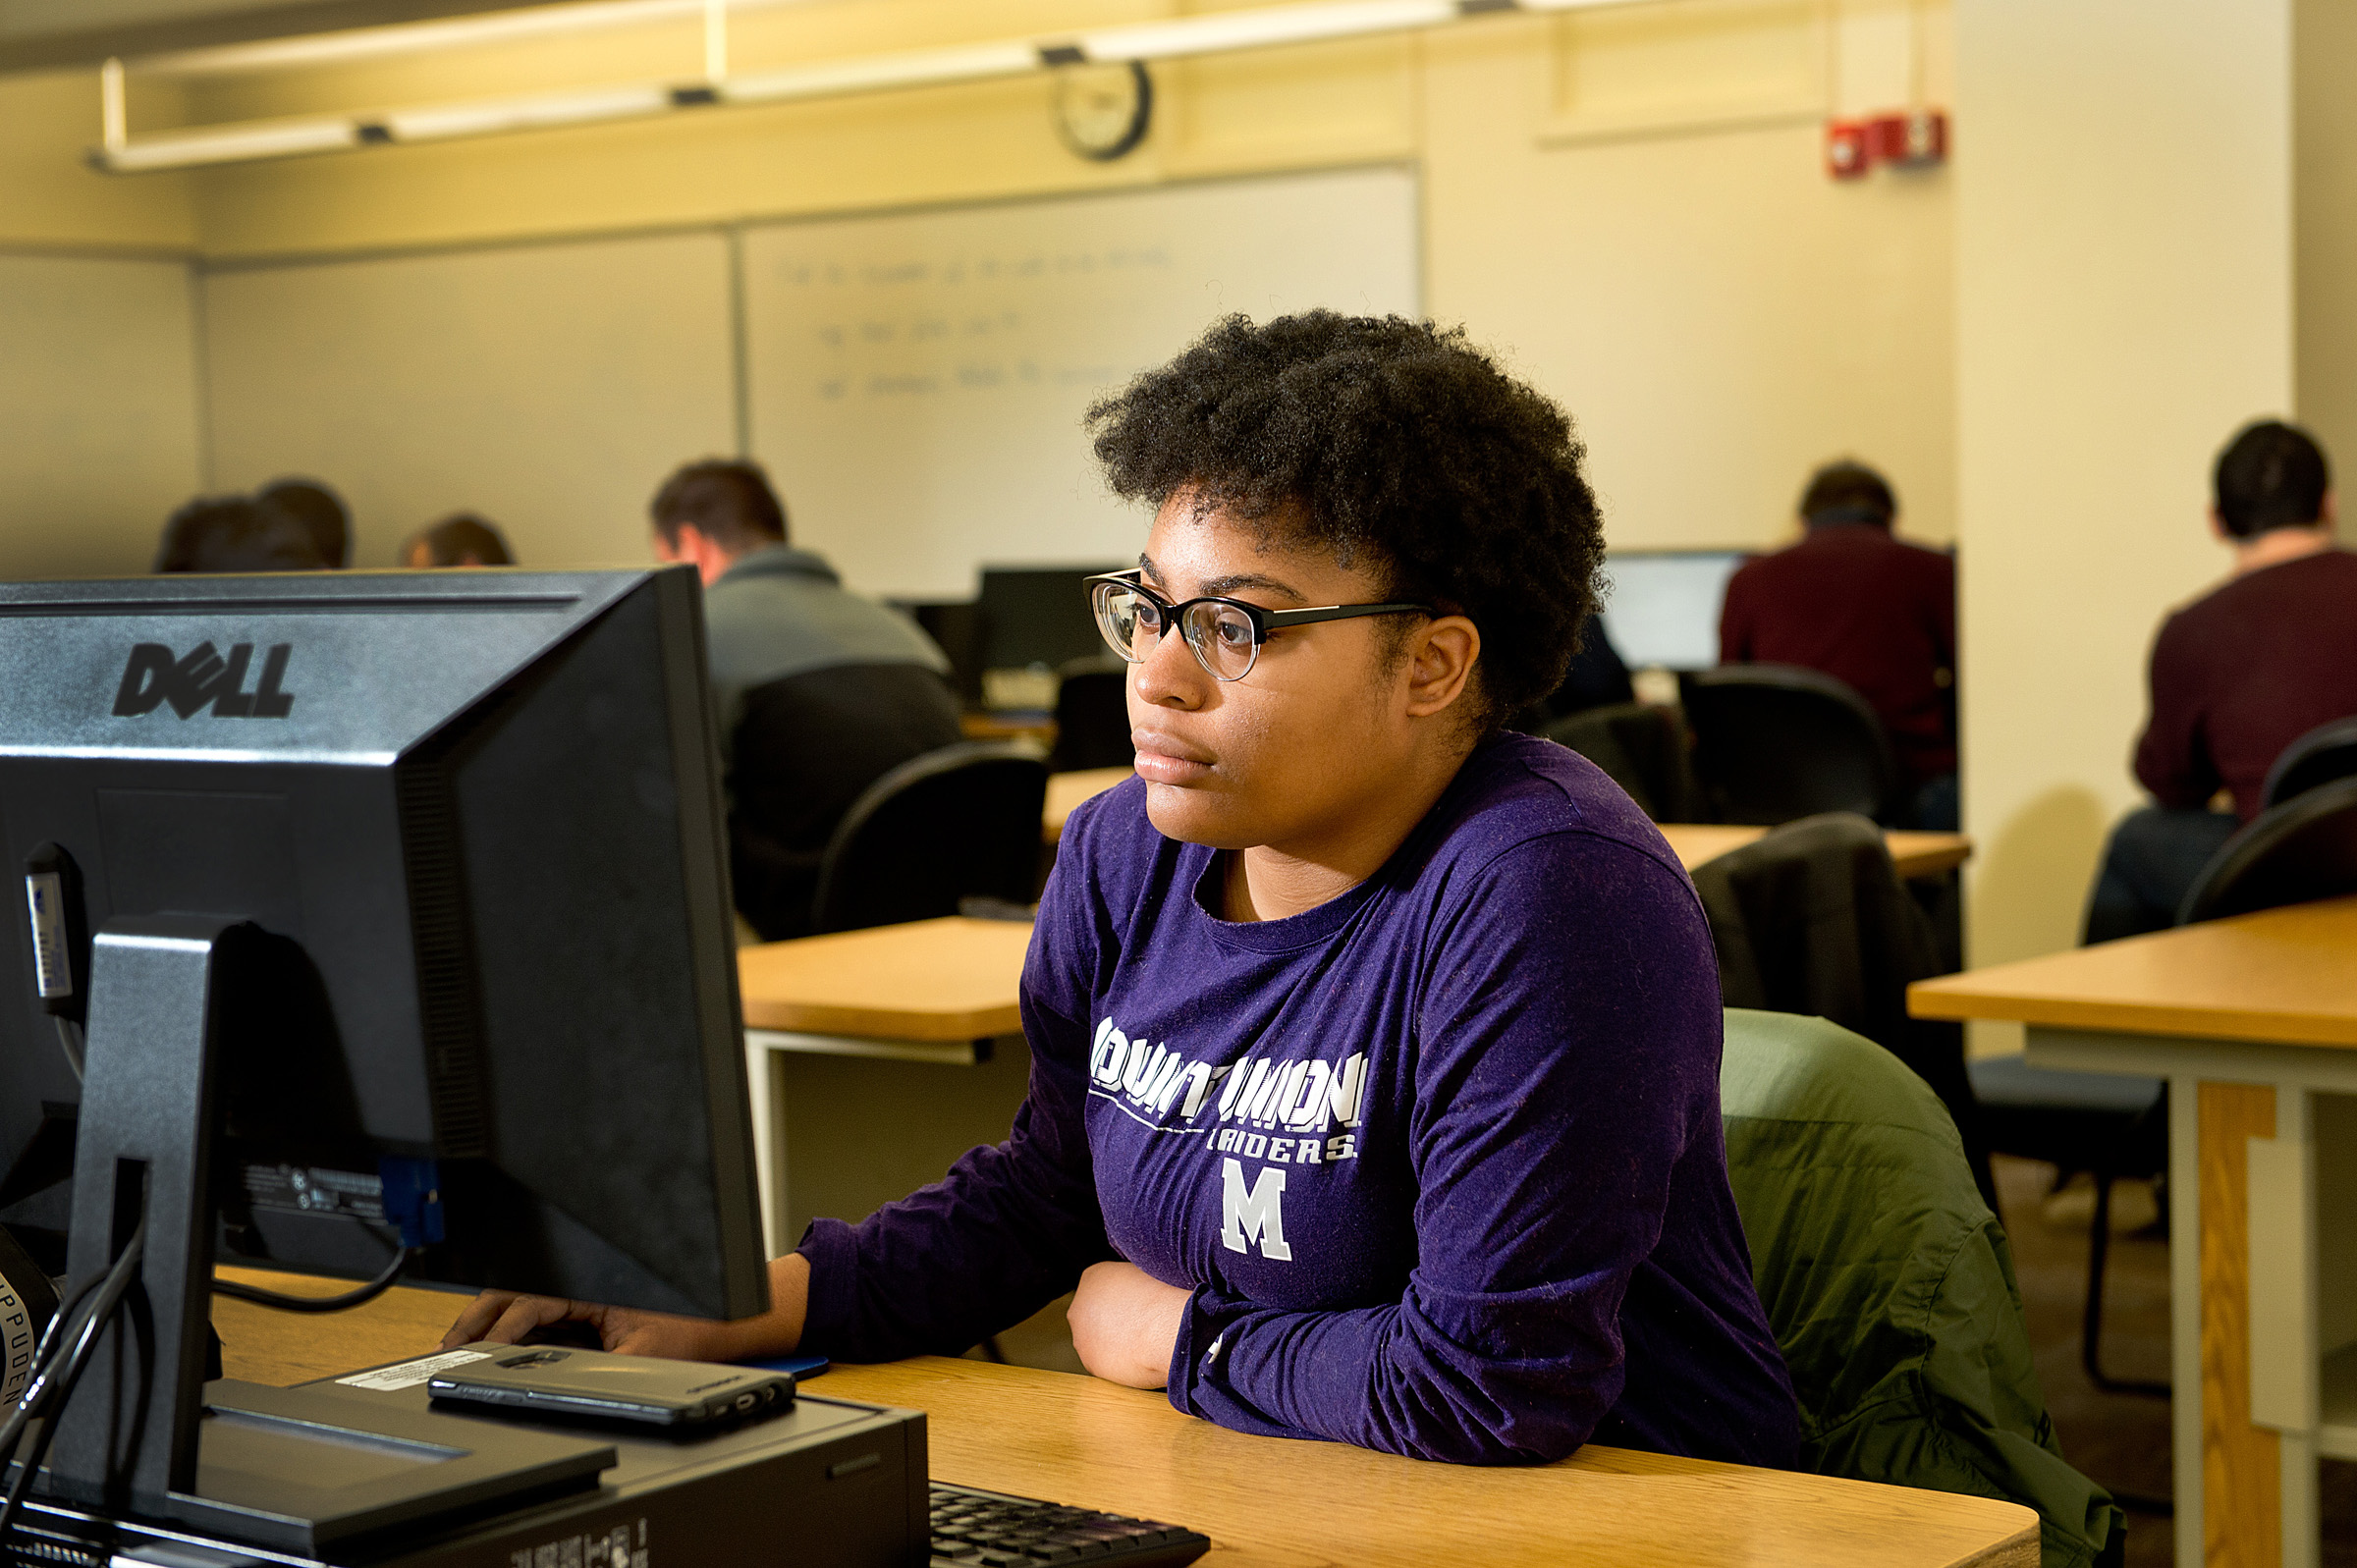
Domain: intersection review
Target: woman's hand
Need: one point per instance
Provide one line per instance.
(503, 1317)
(1125, 1324)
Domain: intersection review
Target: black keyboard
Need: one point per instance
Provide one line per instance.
(991, 1530)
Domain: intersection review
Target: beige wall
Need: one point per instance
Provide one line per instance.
(98, 429)
(2325, 262)
(547, 387)
(1718, 315)
(49, 196)
(1631, 208)
(2125, 302)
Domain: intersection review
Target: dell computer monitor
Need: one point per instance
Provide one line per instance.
(1662, 607)
(490, 1010)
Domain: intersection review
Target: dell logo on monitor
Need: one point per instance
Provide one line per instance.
(154, 677)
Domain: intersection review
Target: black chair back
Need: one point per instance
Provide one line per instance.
(1774, 743)
(2322, 755)
(2304, 849)
(1813, 919)
(1092, 716)
(1643, 749)
(960, 822)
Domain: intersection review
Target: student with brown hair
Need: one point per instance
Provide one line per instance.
(820, 692)
(461, 539)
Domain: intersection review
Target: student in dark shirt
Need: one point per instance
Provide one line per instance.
(1375, 1049)
(1854, 602)
(818, 693)
(2236, 675)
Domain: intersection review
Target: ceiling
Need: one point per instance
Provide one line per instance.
(54, 35)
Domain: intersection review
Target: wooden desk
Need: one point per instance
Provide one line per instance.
(844, 1040)
(1271, 1503)
(2253, 1022)
(1918, 854)
(1067, 790)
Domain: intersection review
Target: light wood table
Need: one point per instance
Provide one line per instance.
(1268, 1502)
(1067, 790)
(2253, 1022)
(1917, 854)
(845, 1036)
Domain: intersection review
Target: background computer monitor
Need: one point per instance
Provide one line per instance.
(1038, 616)
(477, 817)
(1663, 608)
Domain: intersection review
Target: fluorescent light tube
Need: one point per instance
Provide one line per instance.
(866, 74)
(237, 143)
(416, 37)
(439, 122)
(1219, 32)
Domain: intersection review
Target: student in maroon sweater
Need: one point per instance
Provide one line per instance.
(1856, 603)
(2236, 675)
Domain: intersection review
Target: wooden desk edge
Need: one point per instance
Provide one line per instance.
(883, 1023)
(1940, 1000)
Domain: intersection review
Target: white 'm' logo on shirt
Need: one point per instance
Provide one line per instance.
(1256, 1215)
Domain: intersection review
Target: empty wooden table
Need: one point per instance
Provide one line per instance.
(2253, 1022)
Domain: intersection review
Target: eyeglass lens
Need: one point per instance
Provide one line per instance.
(1221, 635)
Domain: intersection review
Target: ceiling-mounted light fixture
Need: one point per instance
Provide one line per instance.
(1214, 32)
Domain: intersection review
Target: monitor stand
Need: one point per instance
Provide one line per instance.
(143, 1436)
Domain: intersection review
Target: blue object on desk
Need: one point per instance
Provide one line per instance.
(800, 1366)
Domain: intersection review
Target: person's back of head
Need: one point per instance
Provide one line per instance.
(1848, 490)
(459, 540)
(729, 502)
(2272, 475)
(233, 533)
(320, 511)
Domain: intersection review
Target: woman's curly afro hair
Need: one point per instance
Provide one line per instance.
(1394, 438)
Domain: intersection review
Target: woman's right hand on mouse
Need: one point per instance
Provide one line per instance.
(504, 1317)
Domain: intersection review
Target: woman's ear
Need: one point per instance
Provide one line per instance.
(1442, 654)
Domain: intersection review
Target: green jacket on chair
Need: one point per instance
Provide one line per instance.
(1889, 1282)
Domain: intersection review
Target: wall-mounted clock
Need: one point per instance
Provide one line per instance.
(1103, 111)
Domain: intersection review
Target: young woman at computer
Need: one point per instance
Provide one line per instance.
(1375, 1048)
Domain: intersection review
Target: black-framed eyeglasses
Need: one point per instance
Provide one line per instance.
(1225, 634)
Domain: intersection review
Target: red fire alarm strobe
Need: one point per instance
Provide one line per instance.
(1915, 139)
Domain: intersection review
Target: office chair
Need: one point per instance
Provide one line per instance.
(1644, 749)
(958, 822)
(2302, 849)
(1813, 918)
(1774, 742)
(1092, 716)
(1889, 1283)
(2110, 1125)
(2322, 755)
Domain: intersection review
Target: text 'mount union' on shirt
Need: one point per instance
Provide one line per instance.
(1440, 1159)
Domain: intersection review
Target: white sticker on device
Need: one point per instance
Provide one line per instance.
(409, 1373)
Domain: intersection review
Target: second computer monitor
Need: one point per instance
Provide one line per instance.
(1663, 610)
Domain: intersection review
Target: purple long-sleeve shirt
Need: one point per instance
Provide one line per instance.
(1440, 1159)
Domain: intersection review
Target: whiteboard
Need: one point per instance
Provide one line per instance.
(549, 387)
(917, 380)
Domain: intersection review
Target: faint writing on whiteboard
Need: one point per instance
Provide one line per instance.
(904, 328)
